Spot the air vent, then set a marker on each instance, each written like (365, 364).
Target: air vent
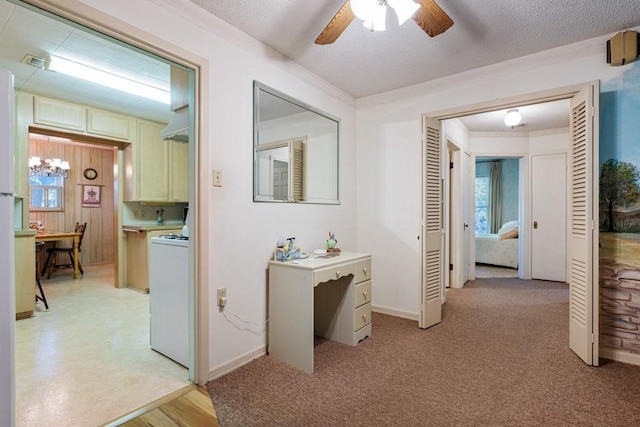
(34, 61)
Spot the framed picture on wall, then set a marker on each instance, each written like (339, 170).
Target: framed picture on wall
(91, 196)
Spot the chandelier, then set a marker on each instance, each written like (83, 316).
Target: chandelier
(48, 167)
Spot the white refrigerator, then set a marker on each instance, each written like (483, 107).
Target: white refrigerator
(7, 264)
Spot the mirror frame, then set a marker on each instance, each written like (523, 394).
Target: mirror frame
(257, 89)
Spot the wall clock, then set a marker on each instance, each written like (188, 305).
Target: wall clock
(90, 174)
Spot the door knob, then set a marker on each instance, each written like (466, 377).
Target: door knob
(535, 225)
(466, 225)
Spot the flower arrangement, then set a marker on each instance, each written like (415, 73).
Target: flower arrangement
(160, 212)
(332, 242)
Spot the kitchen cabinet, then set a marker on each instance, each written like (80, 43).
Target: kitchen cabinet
(179, 171)
(73, 118)
(159, 168)
(59, 114)
(109, 124)
(25, 256)
(138, 243)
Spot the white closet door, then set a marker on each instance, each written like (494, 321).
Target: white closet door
(583, 337)
(549, 216)
(432, 243)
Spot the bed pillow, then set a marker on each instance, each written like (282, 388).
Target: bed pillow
(508, 227)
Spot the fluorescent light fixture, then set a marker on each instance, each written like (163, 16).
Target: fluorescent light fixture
(512, 118)
(104, 78)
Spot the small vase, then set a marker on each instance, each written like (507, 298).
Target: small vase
(331, 243)
(159, 220)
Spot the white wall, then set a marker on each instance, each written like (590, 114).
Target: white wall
(389, 153)
(242, 234)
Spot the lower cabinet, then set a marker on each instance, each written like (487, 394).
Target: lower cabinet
(25, 253)
(137, 247)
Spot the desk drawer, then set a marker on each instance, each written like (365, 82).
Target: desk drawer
(362, 316)
(362, 293)
(333, 273)
(363, 270)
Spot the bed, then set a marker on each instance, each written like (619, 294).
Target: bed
(499, 249)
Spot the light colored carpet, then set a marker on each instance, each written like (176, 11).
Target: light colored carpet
(499, 358)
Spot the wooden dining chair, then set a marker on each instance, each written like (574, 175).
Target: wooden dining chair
(41, 297)
(53, 254)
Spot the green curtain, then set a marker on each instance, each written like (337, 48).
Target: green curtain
(495, 196)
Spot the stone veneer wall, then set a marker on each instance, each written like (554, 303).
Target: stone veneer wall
(619, 306)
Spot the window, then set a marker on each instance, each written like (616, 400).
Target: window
(46, 193)
(482, 205)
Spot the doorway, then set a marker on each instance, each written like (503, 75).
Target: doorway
(195, 294)
(582, 242)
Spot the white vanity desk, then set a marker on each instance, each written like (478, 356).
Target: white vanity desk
(330, 297)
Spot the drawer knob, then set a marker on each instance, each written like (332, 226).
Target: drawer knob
(364, 270)
(365, 293)
(338, 274)
(364, 316)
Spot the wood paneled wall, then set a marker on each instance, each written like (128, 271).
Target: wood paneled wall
(98, 242)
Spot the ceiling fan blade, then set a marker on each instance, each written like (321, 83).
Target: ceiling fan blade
(337, 25)
(431, 18)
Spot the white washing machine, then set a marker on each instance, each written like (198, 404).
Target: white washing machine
(169, 297)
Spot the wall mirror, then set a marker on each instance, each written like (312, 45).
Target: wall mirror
(295, 150)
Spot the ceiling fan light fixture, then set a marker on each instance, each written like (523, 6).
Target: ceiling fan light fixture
(378, 19)
(512, 118)
(363, 9)
(372, 12)
(404, 9)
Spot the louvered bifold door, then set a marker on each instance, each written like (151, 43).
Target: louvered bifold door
(296, 172)
(581, 234)
(432, 250)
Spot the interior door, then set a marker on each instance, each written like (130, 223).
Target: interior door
(432, 239)
(583, 262)
(468, 218)
(549, 217)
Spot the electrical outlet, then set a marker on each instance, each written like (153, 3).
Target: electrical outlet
(217, 178)
(222, 297)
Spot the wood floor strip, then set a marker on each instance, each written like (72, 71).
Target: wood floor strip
(190, 406)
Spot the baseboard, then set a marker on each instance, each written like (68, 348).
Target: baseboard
(394, 312)
(620, 356)
(237, 362)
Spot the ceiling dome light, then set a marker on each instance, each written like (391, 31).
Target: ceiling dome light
(512, 117)
(404, 9)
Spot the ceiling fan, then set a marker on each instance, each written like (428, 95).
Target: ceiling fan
(429, 16)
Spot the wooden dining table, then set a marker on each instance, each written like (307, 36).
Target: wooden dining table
(55, 236)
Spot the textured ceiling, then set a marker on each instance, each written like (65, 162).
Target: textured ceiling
(364, 63)
(360, 62)
(23, 32)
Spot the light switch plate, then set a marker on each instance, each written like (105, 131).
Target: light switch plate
(217, 178)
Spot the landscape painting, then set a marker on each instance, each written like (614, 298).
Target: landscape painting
(619, 182)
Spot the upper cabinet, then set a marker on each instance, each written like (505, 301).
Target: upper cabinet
(179, 88)
(55, 114)
(159, 168)
(59, 114)
(109, 124)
